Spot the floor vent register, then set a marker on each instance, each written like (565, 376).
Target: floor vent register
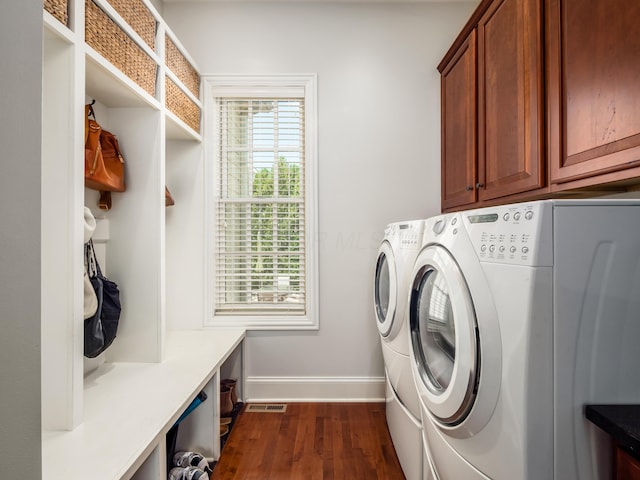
(267, 407)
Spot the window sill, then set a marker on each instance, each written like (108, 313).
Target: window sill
(264, 322)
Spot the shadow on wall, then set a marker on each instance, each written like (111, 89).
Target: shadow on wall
(341, 241)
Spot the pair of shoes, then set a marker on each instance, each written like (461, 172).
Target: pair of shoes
(188, 473)
(231, 383)
(189, 466)
(226, 405)
(191, 459)
(228, 399)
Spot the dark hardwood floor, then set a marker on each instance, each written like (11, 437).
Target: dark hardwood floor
(311, 441)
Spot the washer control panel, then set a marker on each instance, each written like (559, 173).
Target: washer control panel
(408, 233)
(518, 234)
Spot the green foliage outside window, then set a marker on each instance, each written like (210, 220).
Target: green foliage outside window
(275, 228)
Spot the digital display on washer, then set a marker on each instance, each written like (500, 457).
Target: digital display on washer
(486, 218)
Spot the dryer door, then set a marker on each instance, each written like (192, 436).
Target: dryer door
(385, 289)
(444, 337)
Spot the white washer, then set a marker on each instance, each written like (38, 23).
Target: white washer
(396, 255)
(519, 316)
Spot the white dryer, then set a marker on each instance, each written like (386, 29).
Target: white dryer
(396, 256)
(519, 316)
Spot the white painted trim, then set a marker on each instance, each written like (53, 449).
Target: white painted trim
(267, 85)
(209, 124)
(314, 389)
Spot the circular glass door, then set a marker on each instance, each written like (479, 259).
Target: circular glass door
(444, 336)
(385, 289)
(436, 329)
(382, 288)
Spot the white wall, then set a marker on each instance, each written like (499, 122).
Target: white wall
(379, 158)
(159, 6)
(20, 104)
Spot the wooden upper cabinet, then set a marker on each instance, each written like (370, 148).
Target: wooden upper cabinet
(459, 147)
(510, 99)
(593, 88)
(493, 105)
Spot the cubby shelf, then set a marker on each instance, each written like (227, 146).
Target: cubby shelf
(129, 408)
(108, 417)
(106, 82)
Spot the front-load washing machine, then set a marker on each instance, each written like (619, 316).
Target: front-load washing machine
(519, 316)
(396, 255)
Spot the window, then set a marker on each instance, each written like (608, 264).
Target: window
(262, 144)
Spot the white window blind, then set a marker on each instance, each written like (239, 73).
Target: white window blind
(260, 257)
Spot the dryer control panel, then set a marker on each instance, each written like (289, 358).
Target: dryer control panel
(409, 233)
(519, 234)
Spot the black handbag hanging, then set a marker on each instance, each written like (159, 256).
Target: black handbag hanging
(100, 330)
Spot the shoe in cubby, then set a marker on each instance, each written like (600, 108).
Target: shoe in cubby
(191, 459)
(188, 473)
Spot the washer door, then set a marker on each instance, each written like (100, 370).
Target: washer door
(444, 337)
(385, 289)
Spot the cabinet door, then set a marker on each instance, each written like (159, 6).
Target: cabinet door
(510, 97)
(593, 87)
(459, 126)
(627, 467)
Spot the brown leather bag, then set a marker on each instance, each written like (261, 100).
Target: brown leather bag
(168, 199)
(103, 160)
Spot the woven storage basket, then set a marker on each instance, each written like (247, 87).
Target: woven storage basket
(106, 38)
(136, 14)
(181, 105)
(57, 8)
(181, 67)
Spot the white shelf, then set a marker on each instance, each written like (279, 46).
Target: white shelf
(53, 26)
(176, 129)
(111, 86)
(129, 407)
(112, 422)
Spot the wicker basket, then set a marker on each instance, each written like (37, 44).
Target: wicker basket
(136, 14)
(181, 67)
(106, 38)
(181, 105)
(57, 8)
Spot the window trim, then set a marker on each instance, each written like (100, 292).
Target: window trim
(255, 86)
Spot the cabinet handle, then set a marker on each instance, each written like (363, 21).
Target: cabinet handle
(479, 185)
(469, 188)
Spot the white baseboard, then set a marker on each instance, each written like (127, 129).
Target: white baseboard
(314, 389)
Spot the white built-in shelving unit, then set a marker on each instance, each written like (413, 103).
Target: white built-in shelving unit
(108, 417)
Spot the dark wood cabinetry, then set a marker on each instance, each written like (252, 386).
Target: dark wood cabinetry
(459, 126)
(593, 83)
(626, 467)
(492, 106)
(510, 96)
(557, 92)
(622, 423)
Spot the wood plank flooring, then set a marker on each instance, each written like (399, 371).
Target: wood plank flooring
(311, 441)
